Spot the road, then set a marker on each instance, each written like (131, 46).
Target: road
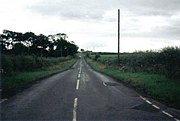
(81, 93)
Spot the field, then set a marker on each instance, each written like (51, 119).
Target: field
(150, 73)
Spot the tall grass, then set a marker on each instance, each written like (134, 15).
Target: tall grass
(166, 61)
(12, 64)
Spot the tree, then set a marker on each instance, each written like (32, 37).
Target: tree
(19, 48)
(40, 45)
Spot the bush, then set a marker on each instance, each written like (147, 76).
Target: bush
(6, 64)
(166, 61)
(170, 58)
(12, 64)
(96, 57)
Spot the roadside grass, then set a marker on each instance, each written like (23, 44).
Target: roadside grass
(153, 85)
(21, 80)
(109, 56)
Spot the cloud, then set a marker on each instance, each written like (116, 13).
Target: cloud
(68, 9)
(88, 22)
(151, 7)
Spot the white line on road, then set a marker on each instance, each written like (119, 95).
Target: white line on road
(166, 113)
(77, 85)
(156, 106)
(142, 98)
(148, 102)
(79, 75)
(74, 109)
(2, 100)
(80, 70)
(176, 119)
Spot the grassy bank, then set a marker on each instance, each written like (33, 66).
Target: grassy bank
(15, 83)
(153, 85)
(165, 61)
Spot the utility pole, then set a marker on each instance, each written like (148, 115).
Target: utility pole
(118, 35)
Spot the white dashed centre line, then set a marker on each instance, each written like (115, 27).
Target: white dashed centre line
(74, 109)
(2, 100)
(77, 85)
(80, 70)
(79, 75)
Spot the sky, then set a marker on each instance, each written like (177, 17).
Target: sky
(93, 24)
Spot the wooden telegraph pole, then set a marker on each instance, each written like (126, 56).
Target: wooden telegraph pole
(118, 35)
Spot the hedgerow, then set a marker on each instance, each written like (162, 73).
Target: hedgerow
(11, 64)
(165, 61)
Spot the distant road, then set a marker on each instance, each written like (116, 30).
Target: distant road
(82, 94)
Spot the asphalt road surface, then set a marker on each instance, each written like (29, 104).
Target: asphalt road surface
(81, 93)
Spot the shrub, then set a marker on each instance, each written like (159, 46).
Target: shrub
(12, 64)
(166, 61)
(96, 57)
(170, 58)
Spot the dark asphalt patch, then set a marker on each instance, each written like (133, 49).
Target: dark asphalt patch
(145, 107)
(72, 68)
(111, 84)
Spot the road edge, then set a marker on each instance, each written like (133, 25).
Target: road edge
(34, 81)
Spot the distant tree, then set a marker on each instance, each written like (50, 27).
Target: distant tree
(7, 39)
(19, 48)
(3, 44)
(61, 47)
(72, 48)
(40, 45)
(62, 35)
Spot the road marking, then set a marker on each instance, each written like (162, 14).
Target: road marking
(148, 102)
(145, 99)
(104, 84)
(74, 109)
(166, 113)
(156, 106)
(77, 85)
(2, 100)
(79, 75)
(80, 70)
(176, 119)
(142, 98)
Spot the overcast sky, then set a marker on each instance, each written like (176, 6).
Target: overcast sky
(92, 24)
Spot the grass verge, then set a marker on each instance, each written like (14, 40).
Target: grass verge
(11, 85)
(153, 85)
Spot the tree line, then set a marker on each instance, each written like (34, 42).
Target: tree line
(29, 43)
